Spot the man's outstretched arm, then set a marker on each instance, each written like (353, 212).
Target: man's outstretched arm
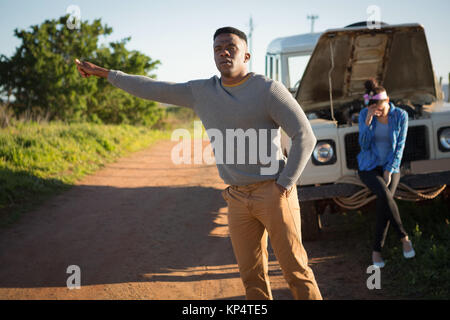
(179, 94)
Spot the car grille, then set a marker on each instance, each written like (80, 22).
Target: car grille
(416, 147)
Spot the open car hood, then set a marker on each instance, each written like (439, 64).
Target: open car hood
(396, 55)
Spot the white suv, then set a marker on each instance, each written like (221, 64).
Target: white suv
(326, 72)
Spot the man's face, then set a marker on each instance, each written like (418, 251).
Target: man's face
(230, 54)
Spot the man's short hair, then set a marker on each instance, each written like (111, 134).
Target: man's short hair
(235, 31)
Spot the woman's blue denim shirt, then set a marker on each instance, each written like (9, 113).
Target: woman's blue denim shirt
(398, 129)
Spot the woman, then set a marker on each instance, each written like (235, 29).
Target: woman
(382, 135)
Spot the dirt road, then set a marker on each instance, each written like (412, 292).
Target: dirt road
(145, 228)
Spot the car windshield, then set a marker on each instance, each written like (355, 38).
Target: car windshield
(297, 66)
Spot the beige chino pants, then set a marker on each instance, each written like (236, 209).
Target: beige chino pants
(256, 211)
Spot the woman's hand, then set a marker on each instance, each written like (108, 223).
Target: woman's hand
(372, 111)
(87, 69)
(387, 177)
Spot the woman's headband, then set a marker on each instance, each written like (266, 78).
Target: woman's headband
(380, 96)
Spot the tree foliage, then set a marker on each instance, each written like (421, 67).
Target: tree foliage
(41, 78)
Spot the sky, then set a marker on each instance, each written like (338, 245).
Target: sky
(179, 33)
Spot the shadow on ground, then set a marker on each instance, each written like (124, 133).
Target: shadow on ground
(118, 235)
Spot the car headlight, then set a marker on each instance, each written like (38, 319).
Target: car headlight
(444, 139)
(324, 153)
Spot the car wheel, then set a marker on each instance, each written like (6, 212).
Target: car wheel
(310, 218)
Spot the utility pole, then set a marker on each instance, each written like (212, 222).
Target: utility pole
(312, 18)
(250, 44)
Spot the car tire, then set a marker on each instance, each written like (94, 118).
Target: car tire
(310, 220)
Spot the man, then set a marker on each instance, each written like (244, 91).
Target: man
(260, 203)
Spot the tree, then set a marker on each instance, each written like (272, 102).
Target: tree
(42, 78)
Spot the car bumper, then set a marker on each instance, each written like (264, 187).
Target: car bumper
(415, 181)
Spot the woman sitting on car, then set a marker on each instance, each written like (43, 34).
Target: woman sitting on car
(382, 135)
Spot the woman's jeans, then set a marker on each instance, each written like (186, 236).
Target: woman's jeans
(386, 208)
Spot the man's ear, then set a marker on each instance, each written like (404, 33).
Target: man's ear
(247, 57)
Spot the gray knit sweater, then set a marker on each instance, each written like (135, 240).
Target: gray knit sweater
(257, 106)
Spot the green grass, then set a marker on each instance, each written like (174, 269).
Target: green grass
(40, 160)
(426, 276)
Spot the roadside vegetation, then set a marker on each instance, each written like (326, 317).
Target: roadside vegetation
(39, 160)
(428, 274)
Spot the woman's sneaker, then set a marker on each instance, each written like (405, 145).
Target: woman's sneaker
(411, 253)
(379, 263)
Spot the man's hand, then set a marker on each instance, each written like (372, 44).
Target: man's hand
(282, 189)
(387, 177)
(87, 69)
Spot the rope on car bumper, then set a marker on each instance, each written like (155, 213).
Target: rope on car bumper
(364, 196)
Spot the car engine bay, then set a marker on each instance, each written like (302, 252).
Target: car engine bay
(348, 113)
